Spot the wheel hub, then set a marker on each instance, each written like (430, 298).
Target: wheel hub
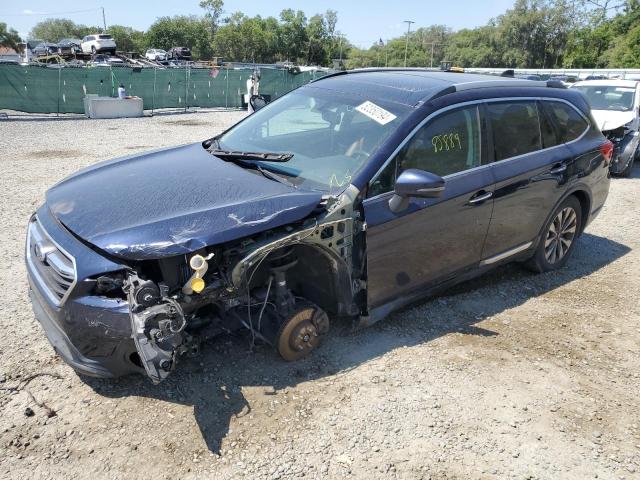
(300, 334)
(560, 235)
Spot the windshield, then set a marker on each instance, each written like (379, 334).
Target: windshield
(609, 97)
(331, 135)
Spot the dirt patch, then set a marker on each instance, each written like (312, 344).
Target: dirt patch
(56, 153)
(185, 123)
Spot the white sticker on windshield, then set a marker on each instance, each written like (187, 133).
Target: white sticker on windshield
(625, 89)
(375, 112)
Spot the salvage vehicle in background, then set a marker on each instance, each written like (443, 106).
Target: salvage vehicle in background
(351, 196)
(615, 105)
(156, 54)
(45, 48)
(179, 53)
(99, 43)
(69, 46)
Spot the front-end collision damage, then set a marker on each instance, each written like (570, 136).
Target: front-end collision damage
(625, 141)
(157, 327)
(281, 285)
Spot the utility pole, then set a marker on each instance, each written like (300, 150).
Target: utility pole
(433, 44)
(406, 45)
(104, 21)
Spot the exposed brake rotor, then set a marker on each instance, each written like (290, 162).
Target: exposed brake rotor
(300, 334)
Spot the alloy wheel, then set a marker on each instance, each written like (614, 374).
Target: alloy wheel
(560, 236)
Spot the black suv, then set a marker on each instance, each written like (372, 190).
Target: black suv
(179, 53)
(349, 197)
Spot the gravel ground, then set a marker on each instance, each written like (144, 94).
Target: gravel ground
(512, 375)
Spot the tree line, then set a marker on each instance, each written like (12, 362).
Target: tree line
(531, 34)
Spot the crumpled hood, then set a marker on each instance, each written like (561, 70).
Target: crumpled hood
(610, 119)
(172, 201)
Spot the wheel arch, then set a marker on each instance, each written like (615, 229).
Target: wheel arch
(585, 202)
(319, 275)
(583, 194)
(323, 278)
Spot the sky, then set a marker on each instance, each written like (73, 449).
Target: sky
(362, 21)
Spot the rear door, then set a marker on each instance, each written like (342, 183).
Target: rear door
(530, 167)
(434, 238)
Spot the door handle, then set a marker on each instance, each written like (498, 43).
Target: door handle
(558, 168)
(480, 197)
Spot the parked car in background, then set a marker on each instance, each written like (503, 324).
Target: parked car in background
(180, 53)
(351, 196)
(527, 76)
(156, 54)
(45, 48)
(106, 61)
(69, 46)
(99, 42)
(567, 80)
(615, 105)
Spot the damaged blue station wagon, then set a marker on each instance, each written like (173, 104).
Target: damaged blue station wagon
(349, 197)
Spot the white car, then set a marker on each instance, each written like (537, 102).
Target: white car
(156, 54)
(615, 106)
(97, 43)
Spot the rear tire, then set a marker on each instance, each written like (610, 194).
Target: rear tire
(558, 237)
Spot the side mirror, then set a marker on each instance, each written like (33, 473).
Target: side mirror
(415, 183)
(257, 102)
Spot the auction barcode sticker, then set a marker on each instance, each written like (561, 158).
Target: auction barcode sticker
(375, 112)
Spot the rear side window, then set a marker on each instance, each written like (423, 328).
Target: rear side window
(568, 122)
(105, 37)
(515, 127)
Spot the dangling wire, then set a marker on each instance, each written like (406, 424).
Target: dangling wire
(264, 305)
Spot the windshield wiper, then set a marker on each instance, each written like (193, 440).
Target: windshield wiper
(274, 176)
(257, 156)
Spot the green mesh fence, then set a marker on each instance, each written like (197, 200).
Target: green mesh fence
(36, 89)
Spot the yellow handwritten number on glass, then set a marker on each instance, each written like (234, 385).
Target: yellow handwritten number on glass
(446, 141)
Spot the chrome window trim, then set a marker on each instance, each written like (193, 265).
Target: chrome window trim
(58, 302)
(475, 102)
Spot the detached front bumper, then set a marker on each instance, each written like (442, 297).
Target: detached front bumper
(91, 333)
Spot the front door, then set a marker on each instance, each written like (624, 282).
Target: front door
(434, 238)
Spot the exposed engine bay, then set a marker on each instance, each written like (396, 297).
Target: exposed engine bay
(280, 285)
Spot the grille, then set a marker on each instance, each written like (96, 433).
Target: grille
(53, 268)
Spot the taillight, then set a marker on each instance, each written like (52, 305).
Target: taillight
(606, 149)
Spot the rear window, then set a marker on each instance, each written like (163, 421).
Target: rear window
(515, 127)
(568, 122)
(104, 37)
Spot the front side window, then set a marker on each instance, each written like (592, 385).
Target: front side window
(515, 126)
(331, 135)
(449, 143)
(569, 123)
